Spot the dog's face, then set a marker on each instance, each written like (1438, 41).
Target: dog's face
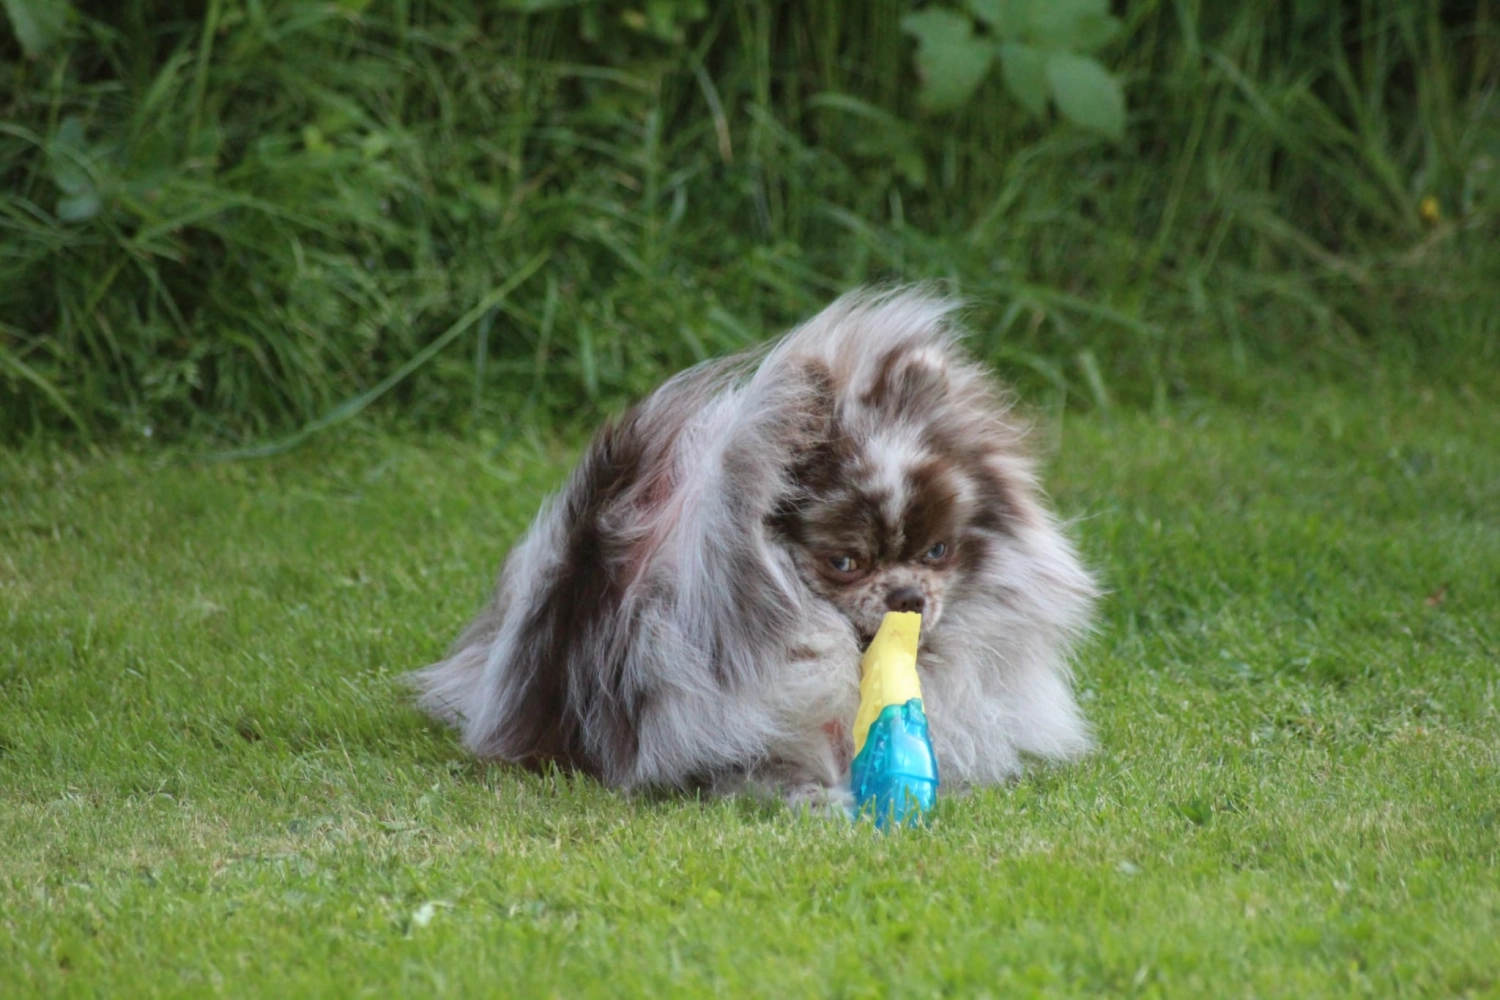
(890, 508)
(882, 539)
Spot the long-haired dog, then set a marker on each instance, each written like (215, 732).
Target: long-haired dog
(690, 611)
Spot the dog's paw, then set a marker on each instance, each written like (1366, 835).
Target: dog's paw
(817, 799)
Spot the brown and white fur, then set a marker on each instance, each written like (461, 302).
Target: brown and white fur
(690, 610)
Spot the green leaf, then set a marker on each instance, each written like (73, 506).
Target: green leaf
(69, 157)
(1068, 25)
(950, 59)
(1025, 73)
(37, 23)
(78, 207)
(1086, 94)
(1091, 31)
(1000, 16)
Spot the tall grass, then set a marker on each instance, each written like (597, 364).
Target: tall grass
(236, 218)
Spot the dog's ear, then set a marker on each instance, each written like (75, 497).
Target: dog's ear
(908, 381)
(811, 408)
(790, 417)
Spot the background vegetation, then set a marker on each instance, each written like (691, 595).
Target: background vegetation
(230, 218)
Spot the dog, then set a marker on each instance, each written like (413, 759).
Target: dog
(690, 611)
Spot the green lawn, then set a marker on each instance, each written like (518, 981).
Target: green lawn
(211, 782)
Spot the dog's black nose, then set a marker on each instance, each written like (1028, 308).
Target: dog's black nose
(906, 599)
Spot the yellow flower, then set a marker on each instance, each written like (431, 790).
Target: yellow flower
(1429, 209)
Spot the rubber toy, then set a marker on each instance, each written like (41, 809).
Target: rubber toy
(894, 776)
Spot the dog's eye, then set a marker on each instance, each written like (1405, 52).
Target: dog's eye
(936, 552)
(843, 563)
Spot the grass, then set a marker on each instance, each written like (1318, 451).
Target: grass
(210, 781)
(230, 219)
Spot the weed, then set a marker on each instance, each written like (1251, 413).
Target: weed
(240, 219)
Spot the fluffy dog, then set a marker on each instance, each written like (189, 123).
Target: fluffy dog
(690, 611)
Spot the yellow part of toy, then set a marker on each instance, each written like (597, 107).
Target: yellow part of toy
(888, 673)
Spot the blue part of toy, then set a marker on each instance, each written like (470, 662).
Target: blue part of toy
(895, 776)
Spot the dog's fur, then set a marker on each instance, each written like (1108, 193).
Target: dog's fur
(690, 611)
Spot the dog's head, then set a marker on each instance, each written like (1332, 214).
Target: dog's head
(898, 500)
